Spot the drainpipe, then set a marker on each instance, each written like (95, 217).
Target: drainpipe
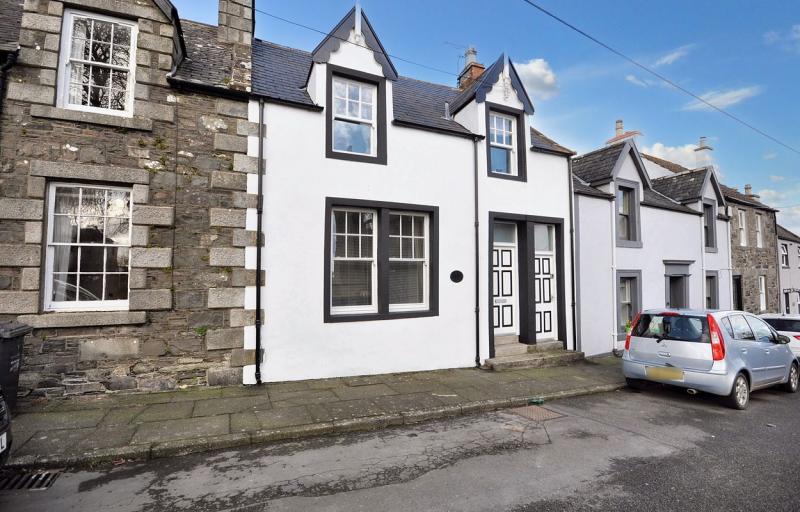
(703, 258)
(10, 61)
(259, 220)
(576, 341)
(614, 312)
(477, 256)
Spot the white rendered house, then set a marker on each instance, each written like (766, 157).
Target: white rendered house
(408, 225)
(646, 237)
(789, 261)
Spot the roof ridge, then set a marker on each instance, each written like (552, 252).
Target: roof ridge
(600, 149)
(273, 43)
(209, 25)
(682, 173)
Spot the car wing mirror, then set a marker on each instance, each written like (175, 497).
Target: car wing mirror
(783, 339)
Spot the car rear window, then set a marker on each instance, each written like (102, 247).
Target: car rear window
(673, 327)
(783, 324)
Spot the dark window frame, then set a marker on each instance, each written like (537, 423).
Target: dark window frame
(380, 138)
(382, 238)
(710, 225)
(636, 300)
(635, 213)
(519, 116)
(714, 274)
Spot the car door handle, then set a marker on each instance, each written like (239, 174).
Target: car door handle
(744, 351)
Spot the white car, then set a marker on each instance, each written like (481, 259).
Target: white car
(788, 325)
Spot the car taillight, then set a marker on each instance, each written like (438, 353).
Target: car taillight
(633, 326)
(797, 337)
(717, 341)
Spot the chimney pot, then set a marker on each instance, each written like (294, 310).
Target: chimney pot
(618, 128)
(748, 190)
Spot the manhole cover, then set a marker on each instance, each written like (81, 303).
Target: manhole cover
(535, 413)
(25, 481)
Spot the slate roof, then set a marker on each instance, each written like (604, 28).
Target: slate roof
(785, 234)
(465, 96)
(683, 187)
(597, 166)
(280, 73)
(731, 194)
(422, 103)
(670, 166)
(10, 18)
(657, 200)
(541, 142)
(208, 61)
(580, 187)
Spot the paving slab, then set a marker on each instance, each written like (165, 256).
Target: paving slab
(91, 430)
(171, 430)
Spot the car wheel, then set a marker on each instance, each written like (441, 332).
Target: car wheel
(794, 378)
(740, 393)
(636, 384)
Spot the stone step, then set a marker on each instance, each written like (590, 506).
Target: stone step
(544, 346)
(510, 349)
(542, 359)
(506, 340)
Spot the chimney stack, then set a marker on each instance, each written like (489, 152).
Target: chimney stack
(472, 68)
(236, 27)
(748, 190)
(702, 153)
(620, 134)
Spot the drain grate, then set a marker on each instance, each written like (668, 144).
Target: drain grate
(535, 413)
(27, 481)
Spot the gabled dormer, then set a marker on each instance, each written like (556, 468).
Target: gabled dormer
(493, 102)
(348, 76)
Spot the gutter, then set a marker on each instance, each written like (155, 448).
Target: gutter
(259, 238)
(8, 64)
(477, 254)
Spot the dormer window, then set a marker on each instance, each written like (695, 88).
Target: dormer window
(505, 142)
(354, 127)
(356, 116)
(501, 141)
(97, 64)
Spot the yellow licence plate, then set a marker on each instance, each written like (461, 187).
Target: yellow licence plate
(659, 373)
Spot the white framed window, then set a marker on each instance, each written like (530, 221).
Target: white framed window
(354, 117)
(354, 269)
(742, 228)
(759, 234)
(408, 261)
(798, 256)
(762, 293)
(502, 144)
(88, 248)
(97, 63)
(785, 255)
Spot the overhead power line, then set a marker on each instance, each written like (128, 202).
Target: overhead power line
(660, 76)
(326, 33)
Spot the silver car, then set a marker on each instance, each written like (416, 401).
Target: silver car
(726, 353)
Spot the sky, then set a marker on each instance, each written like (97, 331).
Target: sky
(742, 56)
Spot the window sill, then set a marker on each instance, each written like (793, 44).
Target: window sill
(63, 114)
(333, 319)
(511, 177)
(631, 244)
(711, 249)
(84, 319)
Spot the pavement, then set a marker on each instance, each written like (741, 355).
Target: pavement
(656, 450)
(91, 430)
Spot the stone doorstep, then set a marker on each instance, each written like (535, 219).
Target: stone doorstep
(149, 451)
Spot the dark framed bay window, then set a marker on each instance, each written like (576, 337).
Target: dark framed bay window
(505, 142)
(629, 229)
(381, 260)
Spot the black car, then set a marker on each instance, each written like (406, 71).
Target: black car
(5, 430)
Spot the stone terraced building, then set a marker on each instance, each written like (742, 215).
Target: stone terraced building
(123, 190)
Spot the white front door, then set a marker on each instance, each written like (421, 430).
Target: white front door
(505, 303)
(545, 281)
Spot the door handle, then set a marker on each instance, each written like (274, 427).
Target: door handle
(744, 351)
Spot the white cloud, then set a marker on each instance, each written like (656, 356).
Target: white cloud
(673, 56)
(788, 196)
(774, 178)
(724, 99)
(770, 156)
(789, 41)
(682, 155)
(636, 81)
(538, 78)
